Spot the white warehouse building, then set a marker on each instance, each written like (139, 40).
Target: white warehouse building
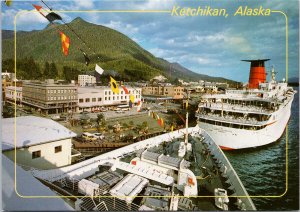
(93, 98)
(40, 143)
(85, 80)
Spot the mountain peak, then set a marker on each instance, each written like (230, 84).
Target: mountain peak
(77, 20)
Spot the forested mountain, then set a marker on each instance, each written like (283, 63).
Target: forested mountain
(115, 51)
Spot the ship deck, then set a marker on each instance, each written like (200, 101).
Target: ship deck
(206, 161)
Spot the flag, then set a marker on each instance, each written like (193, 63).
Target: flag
(8, 2)
(172, 128)
(139, 106)
(125, 89)
(65, 42)
(86, 58)
(98, 69)
(114, 86)
(131, 98)
(52, 16)
(160, 121)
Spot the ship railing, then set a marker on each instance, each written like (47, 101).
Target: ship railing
(235, 185)
(230, 119)
(88, 167)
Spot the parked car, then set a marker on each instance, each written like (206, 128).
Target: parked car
(99, 135)
(88, 136)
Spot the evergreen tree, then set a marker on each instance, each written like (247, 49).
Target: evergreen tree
(53, 71)
(47, 70)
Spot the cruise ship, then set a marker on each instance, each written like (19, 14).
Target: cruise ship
(251, 117)
(180, 170)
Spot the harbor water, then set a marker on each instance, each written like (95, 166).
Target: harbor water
(263, 170)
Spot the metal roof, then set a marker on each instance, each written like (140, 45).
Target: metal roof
(31, 130)
(27, 185)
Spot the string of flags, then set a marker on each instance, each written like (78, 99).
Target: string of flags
(65, 39)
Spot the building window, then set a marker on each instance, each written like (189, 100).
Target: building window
(87, 100)
(105, 92)
(36, 154)
(93, 99)
(99, 99)
(57, 149)
(105, 98)
(80, 100)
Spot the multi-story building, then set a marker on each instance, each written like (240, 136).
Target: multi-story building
(92, 98)
(86, 80)
(10, 94)
(49, 97)
(175, 92)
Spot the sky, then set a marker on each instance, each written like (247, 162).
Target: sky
(208, 45)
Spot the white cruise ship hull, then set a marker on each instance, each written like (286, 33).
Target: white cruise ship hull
(232, 138)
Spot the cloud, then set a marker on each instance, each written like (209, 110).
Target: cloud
(122, 27)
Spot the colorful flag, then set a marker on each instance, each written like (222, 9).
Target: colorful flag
(86, 58)
(98, 69)
(139, 106)
(8, 2)
(172, 128)
(125, 89)
(131, 98)
(52, 17)
(114, 86)
(65, 42)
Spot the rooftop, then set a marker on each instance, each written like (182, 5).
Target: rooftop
(27, 185)
(96, 89)
(31, 130)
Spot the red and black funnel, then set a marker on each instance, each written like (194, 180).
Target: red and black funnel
(257, 72)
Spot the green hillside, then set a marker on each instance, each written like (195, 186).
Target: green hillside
(115, 51)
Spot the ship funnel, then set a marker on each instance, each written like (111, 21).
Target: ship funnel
(257, 72)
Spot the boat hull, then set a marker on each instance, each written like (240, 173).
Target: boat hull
(232, 138)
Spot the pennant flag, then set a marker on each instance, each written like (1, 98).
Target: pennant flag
(125, 89)
(131, 98)
(98, 69)
(52, 16)
(153, 115)
(139, 106)
(8, 2)
(65, 42)
(86, 58)
(130, 104)
(160, 121)
(114, 86)
(172, 128)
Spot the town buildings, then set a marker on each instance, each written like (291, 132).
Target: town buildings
(50, 97)
(92, 98)
(86, 80)
(40, 143)
(10, 94)
(175, 92)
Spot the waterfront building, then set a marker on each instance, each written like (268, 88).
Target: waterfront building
(10, 94)
(92, 98)
(175, 92)
(85, 80)
(40, 143)
(50, 97)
